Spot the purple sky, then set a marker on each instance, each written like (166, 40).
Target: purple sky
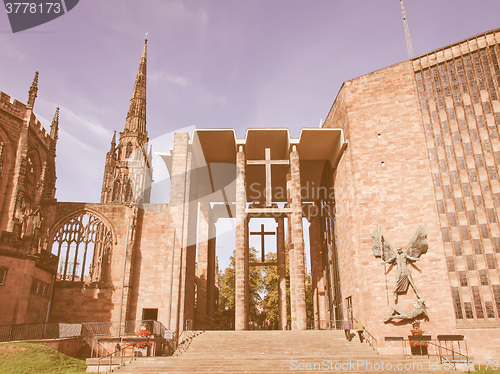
(214, 63)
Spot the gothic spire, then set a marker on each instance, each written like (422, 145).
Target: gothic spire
(113, 143)
(32, 92)
(136, 117)
(54, 128)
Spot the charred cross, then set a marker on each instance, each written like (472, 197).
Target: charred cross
(268, 162)
(262, 234)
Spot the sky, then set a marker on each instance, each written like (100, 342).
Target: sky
(211, 64)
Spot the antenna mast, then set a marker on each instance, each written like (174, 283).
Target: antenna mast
(409, 47)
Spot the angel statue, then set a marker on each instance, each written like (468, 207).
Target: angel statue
(417, 247)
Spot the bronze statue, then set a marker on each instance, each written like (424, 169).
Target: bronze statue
(419, 311)
(418, 245)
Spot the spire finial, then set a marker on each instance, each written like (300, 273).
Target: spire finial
(113, 142)
(136, 116)
(146, 36)
(33, 91)
(54, 128)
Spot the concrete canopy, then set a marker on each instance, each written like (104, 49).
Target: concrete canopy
(214, 158)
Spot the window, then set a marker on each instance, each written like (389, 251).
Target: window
(470, 262)
(3, 274)
(468, 310)
(82, 245)
(463, 278)
(483, 277)
(490, 260)
(451, 263)
(477, 302)
(456, 302)
(489, 309)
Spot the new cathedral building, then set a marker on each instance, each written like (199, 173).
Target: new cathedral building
(413, 144)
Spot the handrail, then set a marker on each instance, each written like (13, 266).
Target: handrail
(372, 341)
(111, 359)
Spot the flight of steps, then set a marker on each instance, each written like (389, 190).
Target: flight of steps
(272, 352)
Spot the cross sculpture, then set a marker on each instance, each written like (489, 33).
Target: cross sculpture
(268, 162)
(262, 234)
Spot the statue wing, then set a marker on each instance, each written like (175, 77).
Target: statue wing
(381, 247)
(418, 244)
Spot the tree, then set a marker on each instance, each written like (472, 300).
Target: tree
(227, 286)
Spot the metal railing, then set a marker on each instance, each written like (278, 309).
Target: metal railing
(40, 331)
(372, 341)
(450, 353)
(114, 354)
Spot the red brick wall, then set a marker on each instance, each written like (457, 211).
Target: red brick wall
(18, 304)
(398, 197)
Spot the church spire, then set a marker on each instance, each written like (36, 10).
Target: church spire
(136, 117)
(32, 92)
(113, 143)
(54, 128)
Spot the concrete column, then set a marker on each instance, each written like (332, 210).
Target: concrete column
(202, 268)
(241, 260)
(211, 294)
(291, 256)
(186, 300)
(299, 286)
(178, 211)
(280, 239)
(318, 286)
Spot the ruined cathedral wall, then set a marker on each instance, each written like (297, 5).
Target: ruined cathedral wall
(152, 257)
(11, 122)
(95, 301)
(384, 180)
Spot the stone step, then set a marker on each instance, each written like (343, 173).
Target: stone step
(277, 352)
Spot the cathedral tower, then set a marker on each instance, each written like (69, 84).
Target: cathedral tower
(128, 173)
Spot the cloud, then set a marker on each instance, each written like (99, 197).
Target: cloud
(162, 76)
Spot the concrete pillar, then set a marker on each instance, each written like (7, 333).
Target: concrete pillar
(318, 286)
(291, 256)
(241, 260)
(280, 239)
(299, 287)
(179, 212)
(211, 286)
(202, 269)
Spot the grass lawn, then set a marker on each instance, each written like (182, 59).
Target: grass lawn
(28, 358)
(486, 371)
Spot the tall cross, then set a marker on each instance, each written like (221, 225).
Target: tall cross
(262, 234)
(268, 162)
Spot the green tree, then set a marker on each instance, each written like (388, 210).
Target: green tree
(227, 285)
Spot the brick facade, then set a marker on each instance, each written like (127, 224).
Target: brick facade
(391, 177)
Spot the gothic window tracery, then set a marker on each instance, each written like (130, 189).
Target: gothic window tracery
(129, 150)
(32, 173)
(83, 245)
(117, 189)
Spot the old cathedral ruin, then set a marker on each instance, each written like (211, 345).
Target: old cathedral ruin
(413, 144)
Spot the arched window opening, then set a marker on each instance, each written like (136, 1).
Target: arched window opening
(117, 190)
(82, 245)
(129, 150)
(129, 196)
(31, 177)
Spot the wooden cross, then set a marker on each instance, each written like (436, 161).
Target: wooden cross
(268, 162)
(262, 234)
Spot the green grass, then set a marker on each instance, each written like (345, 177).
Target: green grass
(32, 358)
(486, 371)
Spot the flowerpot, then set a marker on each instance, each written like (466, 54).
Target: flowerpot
(419, 350)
